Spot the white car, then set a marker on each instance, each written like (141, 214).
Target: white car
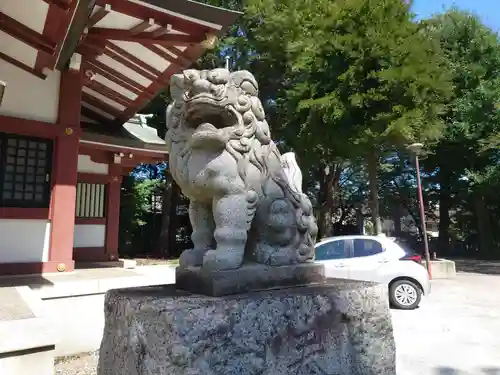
(380, 259)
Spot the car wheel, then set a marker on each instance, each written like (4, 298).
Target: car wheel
(404, 295)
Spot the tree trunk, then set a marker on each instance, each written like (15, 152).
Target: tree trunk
(397, 220)
(164, 238)
(483, 226)
(444, 214)
(374, 203)
(329, 181)
(360, 221)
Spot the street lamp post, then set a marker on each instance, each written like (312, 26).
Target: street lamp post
(416, 149)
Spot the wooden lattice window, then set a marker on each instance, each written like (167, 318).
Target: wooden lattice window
(25, 166)
(90, 200)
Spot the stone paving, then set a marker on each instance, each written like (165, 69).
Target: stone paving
(456, 331)
(13, 306)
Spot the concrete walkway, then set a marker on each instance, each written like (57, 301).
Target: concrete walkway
(13, 306)
(73, 300)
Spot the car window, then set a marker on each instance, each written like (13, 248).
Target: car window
(332, 250)
(405, 247)
(364, 247)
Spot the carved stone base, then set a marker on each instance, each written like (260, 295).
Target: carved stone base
(250, 277)
(338, 328)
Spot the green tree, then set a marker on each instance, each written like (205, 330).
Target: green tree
(361, 77)
(136, 215)
(338, 82)
(466, 158)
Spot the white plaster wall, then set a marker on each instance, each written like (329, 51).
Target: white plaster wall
(86, 165)
(24, 241)
(27, 96)
(89, 235)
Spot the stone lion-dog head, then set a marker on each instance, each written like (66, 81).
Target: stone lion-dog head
(216, 105)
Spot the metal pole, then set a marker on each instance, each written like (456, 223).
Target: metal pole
(422, 218)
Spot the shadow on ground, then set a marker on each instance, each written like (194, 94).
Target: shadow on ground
(453, 371)
(31, 280)
(485, 267)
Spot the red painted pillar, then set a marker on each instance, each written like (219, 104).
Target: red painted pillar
(113, 211)
(64, 173)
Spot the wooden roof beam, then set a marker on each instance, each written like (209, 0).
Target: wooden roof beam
(146, 38)
(99, 15)
(163, 54)
(26, 35)
(60, 15)
(21, 65)
(161, 31)
(114, 76)
(136, 10)
(143, 26)
(105, 107)
(109, 93)
(124, 61)
(134, 59)
(91, 52)
(180, 58)
(62, 4)
(174, 57)
(114, 52)
(190, 54)
(90, 114)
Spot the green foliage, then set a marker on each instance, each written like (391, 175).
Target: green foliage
(136, 215)
(340, 79)
(157, 107)
(365, 75)
(466, 160)
(357, 78)
(472, 52)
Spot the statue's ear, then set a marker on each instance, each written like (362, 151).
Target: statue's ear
(177, 86)
(246, 81)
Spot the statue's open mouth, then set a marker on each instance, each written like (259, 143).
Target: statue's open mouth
(204, 110)
(208, 118)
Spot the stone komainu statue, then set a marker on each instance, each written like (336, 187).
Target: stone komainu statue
(246, 200)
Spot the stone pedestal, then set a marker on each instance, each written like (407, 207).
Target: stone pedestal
(250, 277)
(339, 328)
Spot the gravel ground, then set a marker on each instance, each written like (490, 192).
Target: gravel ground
(454, 332)
(83, 364)
(152, 261)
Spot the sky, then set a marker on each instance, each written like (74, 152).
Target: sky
(487, 10)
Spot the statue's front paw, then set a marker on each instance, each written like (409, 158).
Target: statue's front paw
(191, 258)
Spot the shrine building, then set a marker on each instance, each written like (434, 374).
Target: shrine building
(73, 75)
